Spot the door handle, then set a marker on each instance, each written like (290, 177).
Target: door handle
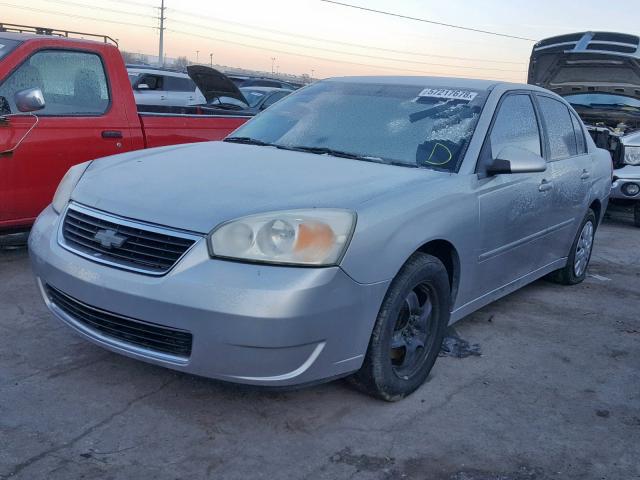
(163, 97)
(585, 174)
(111, 134)
(545, 185)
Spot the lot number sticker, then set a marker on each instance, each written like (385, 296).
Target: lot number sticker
(448, 94)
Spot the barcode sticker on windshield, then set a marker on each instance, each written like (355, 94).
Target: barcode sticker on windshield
(448, 94)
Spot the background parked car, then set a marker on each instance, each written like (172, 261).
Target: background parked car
(260, 98)
(598, 73)
(251, 81)
(163, 87)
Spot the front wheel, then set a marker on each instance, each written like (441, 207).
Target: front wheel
(408, 332)
(576, 269)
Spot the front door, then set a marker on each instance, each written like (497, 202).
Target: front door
(79, 123)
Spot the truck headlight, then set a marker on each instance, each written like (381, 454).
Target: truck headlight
(66, 186)
(317, 237)
(632, 155)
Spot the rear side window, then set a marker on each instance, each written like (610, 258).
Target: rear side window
(581, 144)
(73, 83)
(515, 125)
(179, 84)
(559, 128)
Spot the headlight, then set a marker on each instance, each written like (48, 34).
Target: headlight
(632, 155)
(296, 237)
(66, 186)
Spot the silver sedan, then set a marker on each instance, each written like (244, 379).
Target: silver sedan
(338, 233)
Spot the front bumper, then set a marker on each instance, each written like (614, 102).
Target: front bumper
(255, 324)
(623, 176)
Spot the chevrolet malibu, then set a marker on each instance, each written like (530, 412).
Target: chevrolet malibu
(338, 233)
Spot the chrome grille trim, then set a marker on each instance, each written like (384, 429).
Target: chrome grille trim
(149, 249)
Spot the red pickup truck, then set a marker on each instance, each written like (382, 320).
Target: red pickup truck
(64, 101)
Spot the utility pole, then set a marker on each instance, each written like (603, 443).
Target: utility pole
(197, 54)
(161, 45)
(273, 59)
(211, 59)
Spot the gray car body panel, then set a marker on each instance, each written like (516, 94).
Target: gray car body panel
(504, 231)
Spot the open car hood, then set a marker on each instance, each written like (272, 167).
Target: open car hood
(587, 62)
(214, 84)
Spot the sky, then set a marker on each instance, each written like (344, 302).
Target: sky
(323, 39)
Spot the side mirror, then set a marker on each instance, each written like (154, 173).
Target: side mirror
(517, 160)
(143, 86)
(29, 100)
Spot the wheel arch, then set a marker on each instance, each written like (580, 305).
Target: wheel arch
(596, 206)
(447, 253)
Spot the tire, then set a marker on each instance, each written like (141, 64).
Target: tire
(636, 214)
(13, 240)
(414, 316)
(581, 249)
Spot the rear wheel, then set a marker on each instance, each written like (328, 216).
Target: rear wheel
(408, 332)
(576, 269)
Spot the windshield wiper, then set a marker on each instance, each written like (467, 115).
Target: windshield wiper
(332, 152)
(248, 141)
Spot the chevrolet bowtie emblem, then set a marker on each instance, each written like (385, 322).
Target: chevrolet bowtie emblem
(109, 238)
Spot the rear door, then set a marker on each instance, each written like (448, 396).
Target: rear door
(81, 121)
(513, 208)
(181, 91)
(570, 164)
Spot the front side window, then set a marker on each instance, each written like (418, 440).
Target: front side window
(559, 128)
(515, 125)
(409, 125)
(73, 83)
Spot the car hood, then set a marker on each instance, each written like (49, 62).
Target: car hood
(587, 62)
(197, 186)
(214, 84)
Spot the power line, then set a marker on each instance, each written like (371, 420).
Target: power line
(130, 2)
(271, 50)
(65, 14)
(104, 9)
(341, 52)
(324, 40)
(406, 17)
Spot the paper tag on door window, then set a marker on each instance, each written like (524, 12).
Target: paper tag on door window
(448, 94)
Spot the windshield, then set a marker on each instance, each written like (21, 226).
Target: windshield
(407, 125)
(253, 96)
(602, 100)
(6, 46)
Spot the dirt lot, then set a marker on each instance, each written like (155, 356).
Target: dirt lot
(555, 395)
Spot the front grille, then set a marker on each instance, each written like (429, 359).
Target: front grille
(134, 246)
(142, 334)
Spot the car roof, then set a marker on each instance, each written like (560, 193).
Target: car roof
(24, 37)
(157, 71)
(265, 89)
(441, 82)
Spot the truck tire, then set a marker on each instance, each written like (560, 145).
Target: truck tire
(575, 271)
(408, 332)
(13, 240)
